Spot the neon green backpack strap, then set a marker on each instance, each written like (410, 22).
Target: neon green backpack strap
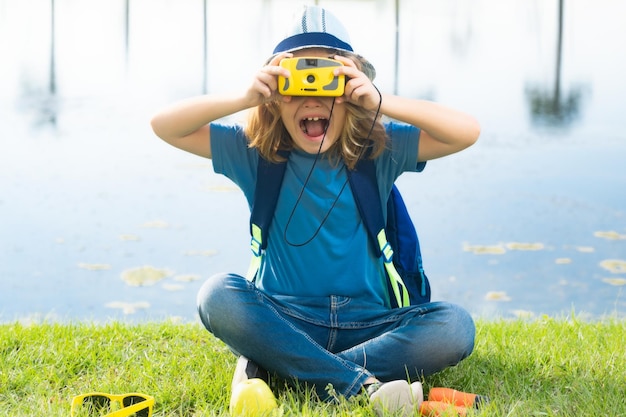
(400, 291)
(256, 243)
(268, 182)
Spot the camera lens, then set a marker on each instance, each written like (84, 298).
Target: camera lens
(310, 78)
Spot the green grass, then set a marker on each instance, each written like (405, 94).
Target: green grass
(543, 367)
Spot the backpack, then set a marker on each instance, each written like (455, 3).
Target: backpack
(407, 283)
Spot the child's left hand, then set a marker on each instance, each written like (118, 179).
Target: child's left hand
(359, 89)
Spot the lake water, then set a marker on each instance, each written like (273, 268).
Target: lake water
(529, 221)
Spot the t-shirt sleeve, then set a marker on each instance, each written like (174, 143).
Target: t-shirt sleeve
(400, 154)
(404, 142)
(232, 157)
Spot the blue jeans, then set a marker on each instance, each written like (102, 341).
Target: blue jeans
(334, 340)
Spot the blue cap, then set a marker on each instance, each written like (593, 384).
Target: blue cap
(318, 28)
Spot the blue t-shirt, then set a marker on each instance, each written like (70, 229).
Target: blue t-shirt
(303, 259)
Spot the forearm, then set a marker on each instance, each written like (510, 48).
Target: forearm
(444, 130)
(187, 116)
(444, 124)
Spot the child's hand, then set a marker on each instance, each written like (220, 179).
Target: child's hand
(359, 89)
(264, 87)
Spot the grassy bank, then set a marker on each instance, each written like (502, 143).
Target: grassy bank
(545, 367)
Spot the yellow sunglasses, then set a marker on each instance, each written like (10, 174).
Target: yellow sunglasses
(98, 403)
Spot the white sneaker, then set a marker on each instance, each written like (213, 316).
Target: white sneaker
(395, 398)
(418, 394)
(246, 369)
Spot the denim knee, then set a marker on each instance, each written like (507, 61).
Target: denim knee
(443, 334)
(213, 293)
(465, 329)
(459, 332)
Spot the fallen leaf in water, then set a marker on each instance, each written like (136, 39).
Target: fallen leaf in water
(611, 235)
(523, 314)
(497, 296)
(156, 224)
(524, 246)
(94, 267)
(187, 278)
(130, 238)
(615, 281)
(585, 249)
(128, 308)
(616, 266)
(562, 261)
(484, 250)
(144, 275)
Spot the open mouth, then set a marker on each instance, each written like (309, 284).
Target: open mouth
(314, 126)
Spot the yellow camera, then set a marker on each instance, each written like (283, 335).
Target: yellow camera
(311, 76)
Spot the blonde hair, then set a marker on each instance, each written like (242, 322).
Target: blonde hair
(362, 129)
(266, 132)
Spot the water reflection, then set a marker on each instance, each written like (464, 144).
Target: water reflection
(126, 29)
(53, 82)
(45, 103)
(100, 195)
(554, 108)
(547, 105)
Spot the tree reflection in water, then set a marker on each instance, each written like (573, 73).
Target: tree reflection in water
(553, 108)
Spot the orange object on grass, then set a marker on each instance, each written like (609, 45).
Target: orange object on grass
(439, 408)
(458, 398)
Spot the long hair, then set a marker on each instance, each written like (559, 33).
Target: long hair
(362, 129)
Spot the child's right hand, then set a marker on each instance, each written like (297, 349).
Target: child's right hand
(264, 87)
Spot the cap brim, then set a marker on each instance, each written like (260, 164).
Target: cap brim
(366, 67)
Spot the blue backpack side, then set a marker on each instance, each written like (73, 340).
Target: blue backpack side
(395, 240)
(408, 257)
(399, 229)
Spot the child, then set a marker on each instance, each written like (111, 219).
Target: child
(318, 311)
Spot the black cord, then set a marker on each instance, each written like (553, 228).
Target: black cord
(306, 181)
